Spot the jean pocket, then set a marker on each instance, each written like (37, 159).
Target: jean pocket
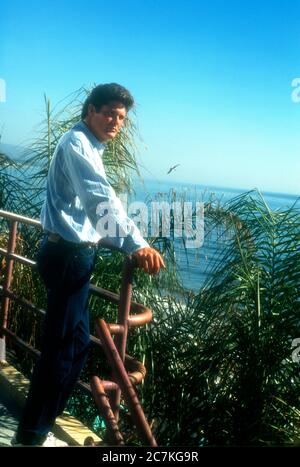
(80, 268)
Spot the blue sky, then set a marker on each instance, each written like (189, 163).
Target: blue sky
(212, 80)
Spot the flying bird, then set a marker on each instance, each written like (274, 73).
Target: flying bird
(172, 168)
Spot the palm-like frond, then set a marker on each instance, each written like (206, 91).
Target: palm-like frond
(244, 322)
(12, 186)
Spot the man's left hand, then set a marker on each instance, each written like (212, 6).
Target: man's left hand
(149, 260)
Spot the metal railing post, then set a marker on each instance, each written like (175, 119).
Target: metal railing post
(7, 282)
(102, 402)
(123, 315)
(125, 384)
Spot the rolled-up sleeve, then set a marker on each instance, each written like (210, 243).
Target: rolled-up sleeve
(99, 200)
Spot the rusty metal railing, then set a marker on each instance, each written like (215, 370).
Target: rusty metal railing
(127, 371)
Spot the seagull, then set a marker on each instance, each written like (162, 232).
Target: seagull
(172, 168)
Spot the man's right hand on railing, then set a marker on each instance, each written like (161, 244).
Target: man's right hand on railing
(149, 260)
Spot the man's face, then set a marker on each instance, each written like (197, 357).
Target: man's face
(106, 123)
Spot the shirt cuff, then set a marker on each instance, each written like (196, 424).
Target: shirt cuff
(131, 245)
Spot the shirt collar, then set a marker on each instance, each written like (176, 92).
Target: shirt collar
(85, 129)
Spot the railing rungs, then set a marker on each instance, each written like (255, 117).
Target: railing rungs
(22, 301)
(17, 217)
(115, 349)
(20, 259)
(36, 353)
(21, 343)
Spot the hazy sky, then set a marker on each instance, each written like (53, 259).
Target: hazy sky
(212, 80)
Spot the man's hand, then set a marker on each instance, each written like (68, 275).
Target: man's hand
(149, 259)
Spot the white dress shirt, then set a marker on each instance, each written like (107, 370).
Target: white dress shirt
(79, 197)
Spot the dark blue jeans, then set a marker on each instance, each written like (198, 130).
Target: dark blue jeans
(66, 273)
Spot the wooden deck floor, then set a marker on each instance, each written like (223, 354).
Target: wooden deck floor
(13, 390)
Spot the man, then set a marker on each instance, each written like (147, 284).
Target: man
(78, 198)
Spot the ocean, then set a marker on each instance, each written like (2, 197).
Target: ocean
(194, 264)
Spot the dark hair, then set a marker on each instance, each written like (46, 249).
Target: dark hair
(103, 94)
